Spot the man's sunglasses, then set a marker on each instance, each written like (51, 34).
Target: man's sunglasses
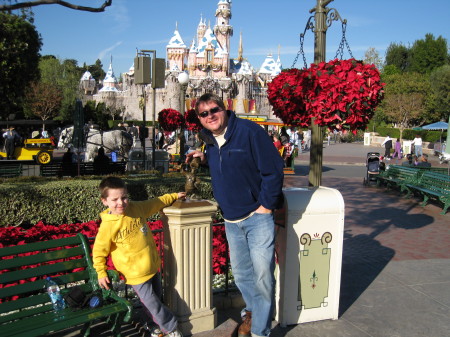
(205, 114)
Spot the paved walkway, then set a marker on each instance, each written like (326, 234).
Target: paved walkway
(396, 259)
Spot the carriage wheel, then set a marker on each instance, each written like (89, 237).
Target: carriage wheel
(43, 157)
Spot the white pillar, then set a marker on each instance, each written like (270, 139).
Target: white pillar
(188, 264)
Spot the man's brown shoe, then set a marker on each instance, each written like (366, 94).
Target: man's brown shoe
(245, 329)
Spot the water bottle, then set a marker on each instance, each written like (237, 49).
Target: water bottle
(55, 295)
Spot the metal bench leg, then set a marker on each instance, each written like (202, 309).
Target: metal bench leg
(86, 330)
(446, 206)
(425, 200)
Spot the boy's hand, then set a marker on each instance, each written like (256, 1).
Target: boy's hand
(195, 154)
(104, 282)
(181, 195)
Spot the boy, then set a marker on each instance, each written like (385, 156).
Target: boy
(125, 235)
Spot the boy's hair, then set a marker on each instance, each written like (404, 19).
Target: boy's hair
(209, 97)
(110, 183)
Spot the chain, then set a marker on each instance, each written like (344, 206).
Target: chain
(301, 51)
(340, 50)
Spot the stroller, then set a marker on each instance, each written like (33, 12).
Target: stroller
(373, 164)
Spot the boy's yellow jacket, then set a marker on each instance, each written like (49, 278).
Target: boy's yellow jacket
(129, 240)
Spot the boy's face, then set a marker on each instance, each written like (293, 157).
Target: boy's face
(116, 201)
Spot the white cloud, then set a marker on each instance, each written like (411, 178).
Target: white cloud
(102, 54)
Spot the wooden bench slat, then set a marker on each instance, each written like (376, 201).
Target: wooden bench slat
(48, 269)
(37, 246)
(30, 287)
(40, 258)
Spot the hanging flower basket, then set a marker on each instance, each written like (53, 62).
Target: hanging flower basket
(339, 94)
(170, 119)
(192, 121)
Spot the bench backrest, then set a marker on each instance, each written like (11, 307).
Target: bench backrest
(402, 172)
(10, 170)
(24, 268)
(435, 181)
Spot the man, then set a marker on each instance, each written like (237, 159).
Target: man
(11, 137)
(387, 143)
(247, 178)
(417, 142)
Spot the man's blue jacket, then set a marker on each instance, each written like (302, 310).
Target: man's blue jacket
(247, 171)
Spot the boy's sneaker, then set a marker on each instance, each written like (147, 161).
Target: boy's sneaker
(175, 333)
(153, 329)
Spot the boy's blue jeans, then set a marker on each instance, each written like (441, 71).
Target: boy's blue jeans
(252, 244)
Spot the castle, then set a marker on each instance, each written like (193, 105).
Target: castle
(211, 69)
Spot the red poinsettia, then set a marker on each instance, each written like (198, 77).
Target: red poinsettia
(170, 119)
(192, 121)
(337, 94)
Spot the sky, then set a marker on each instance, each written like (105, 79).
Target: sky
(266, 27)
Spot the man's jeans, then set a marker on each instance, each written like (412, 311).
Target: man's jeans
(252, 243)
(418, 150)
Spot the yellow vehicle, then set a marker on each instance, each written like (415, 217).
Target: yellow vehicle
(40, 150)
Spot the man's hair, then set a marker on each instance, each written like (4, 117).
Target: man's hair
(209, 97)
(110, 183)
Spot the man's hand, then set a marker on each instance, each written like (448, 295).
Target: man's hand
(262, 209)
(104, 282)
(195, 154)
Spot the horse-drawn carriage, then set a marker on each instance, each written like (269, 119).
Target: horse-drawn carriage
(40, 150)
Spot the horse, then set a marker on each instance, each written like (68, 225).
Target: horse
(114, 140)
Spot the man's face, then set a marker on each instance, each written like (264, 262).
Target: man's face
(212, 117)
(116, 201)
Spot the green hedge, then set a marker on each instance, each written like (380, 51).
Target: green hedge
(409, 134)
(28, 201)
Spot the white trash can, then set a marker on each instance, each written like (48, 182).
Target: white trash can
(367, 138)
(309, 252)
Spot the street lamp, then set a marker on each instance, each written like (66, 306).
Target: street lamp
(183, 79)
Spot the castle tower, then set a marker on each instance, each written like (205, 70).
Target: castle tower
(222, 29)
(177, 52)
(201, 29)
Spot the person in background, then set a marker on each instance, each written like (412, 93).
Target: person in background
(101, 162)
(387, 146)
(247, 179)
(424, 161)
(397, 150)
(417, 142)
(11, 138)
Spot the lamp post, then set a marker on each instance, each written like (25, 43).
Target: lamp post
(183, 79)
(323, 18)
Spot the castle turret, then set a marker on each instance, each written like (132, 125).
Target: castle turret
(177, 52)
(201, 29)
(222, 29)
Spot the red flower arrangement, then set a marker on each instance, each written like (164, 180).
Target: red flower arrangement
(339, 94)
(170, 119)
(192, 121)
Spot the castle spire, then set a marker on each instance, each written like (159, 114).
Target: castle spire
(240, 49)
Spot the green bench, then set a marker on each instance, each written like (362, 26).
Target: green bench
(24, 303)
(396, 175)
(432, 185)
(10, 170)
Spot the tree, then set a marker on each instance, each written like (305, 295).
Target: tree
(397, 55)
(27, 4)
(428, 54)
(20, 44)
(440, 87)
(405, 97)
(97, 71)
(66, 75)
(43, 100)
(371, 56)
